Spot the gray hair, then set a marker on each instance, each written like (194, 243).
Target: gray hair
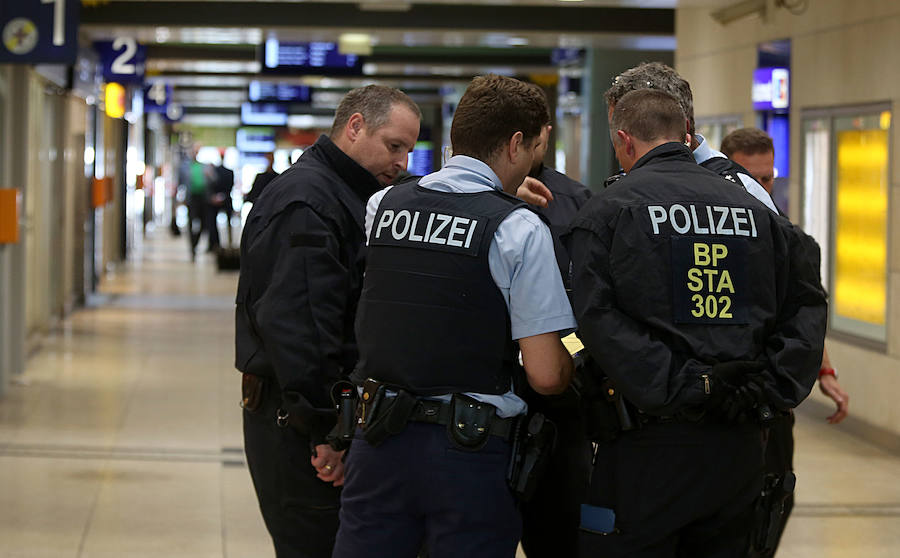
(654, 75)
(374, 103)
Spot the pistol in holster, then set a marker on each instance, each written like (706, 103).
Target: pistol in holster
(381, 415)
(606, 413)
(533, 440)
(770, 510)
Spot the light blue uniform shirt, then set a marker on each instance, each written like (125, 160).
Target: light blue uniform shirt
(704, 153)
(521, 260)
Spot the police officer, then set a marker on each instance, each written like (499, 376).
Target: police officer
(457, 270)
(300, 278)
(656, 75)
(550, 518)
(684, 295)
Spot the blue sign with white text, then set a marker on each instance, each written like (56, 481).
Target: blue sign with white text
(39, 31)
(157, 96)
(123, 60)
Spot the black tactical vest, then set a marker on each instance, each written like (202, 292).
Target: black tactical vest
(431, 319)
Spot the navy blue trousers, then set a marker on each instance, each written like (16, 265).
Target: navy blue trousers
(416, 489)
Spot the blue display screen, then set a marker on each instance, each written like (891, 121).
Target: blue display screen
(285, 92)
(421, 160)
(308, 58)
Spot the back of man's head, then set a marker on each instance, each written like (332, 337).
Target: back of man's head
(649, 115)
(491, 111)
(374, 103)
(750, 141)
(654, 75)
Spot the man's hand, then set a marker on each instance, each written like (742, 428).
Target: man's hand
(830, 387)
(534, 192)
(329, 464)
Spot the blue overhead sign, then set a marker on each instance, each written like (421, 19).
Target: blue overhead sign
(39, 31)
(157, 97)
(123, 60)
(771, 89)
(315, 58)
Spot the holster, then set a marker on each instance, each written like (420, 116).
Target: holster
(252, 387)
(769, 511)
(381, 416)
(606, 413)
(532, 446)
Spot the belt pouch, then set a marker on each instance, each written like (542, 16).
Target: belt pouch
(470, 422)
(251, 392)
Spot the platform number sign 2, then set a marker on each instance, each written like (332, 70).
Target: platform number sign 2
(39, 31)
(123, 59)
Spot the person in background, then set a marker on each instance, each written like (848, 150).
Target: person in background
(199, 177)
(261, 180)
(300, 279)
(753, 149)
(220, 186)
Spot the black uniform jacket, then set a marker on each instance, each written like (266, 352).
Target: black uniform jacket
(301, 274)
(676, 270)
(568, 197)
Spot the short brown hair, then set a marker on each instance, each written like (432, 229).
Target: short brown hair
(747, 140)
(654, 75)
(374, 103)
(492, 110)
(648, 115)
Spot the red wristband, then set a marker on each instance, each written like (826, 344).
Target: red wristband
(824, 371)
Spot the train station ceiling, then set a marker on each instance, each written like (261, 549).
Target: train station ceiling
(210, 50)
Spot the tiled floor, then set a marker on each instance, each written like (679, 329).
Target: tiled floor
(123, 437)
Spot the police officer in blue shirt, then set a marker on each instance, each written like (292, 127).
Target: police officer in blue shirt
(457, 272)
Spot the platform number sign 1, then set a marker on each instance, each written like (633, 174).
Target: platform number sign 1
(123, 59)
(39, 31)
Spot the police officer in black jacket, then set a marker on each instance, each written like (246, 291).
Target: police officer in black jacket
(686, 295)
(301, 274)
(550, 517)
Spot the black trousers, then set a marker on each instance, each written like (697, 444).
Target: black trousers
(300, 511)
(780, 460)
(197, 219)
(550, 519)
(679, 490)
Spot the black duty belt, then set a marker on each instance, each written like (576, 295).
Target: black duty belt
(439, 412)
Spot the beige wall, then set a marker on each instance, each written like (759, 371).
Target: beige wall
(843, 53)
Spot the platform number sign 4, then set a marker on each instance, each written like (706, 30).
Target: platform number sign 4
(157, 96)
(39, 31)
(123, 59)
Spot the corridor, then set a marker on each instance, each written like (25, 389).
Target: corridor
(123, 437)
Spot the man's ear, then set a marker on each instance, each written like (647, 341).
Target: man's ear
(355, 125)
(627, 141)
(515, 147)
